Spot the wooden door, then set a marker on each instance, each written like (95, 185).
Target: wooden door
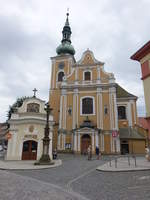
(85, 142)
(29, 151)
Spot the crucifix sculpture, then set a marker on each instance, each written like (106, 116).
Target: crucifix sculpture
(45, 158)
(34, 90)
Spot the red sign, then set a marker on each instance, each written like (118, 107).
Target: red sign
(114, 133)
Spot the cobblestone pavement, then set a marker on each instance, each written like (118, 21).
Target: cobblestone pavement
(72, 167)
(16, 187)
(78, 175)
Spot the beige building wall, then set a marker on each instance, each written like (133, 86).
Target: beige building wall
(137, 146)
(146, 84)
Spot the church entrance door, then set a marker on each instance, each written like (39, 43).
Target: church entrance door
(29, 151)
(85, 142)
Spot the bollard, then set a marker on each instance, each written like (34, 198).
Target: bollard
(115, 162)
(135, 160)
(110, 162)
(128, 160)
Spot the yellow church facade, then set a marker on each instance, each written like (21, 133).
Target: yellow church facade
(89, 107)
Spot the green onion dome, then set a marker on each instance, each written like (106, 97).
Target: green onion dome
(65, 47)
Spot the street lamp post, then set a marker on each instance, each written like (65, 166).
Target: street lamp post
(45, 158)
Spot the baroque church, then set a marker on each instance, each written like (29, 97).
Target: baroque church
(89, 107)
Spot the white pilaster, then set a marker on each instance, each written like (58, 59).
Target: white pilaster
(58, 145)
(134, 112)
(116, 112)
(110, 109)
(75, 142)
(98, 75)
(21, 148)
(78, 141)
(99, 109)
(102, 142)
(39, 149)
(9, 149)
(75, 109)
(111, 102)
(129, 114)
(61, 110)
(14, 144)
(111, 143)
(98, 126)
(64, 141)
(65, 111)
(93, 142)
(74, 112)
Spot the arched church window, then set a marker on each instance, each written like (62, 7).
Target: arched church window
(121, 112)
(60, 76)
(87, 105)
(87, 76)
(33, 107)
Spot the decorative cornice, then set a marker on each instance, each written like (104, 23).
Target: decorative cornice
(98, 85)
(28, 120)
(126, 98)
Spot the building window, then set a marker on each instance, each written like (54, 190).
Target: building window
(87, 76)
(33, 107)
(105, 109)
(60, 76)
(68, 146)
(121, 112)
(87, 105)
(61, 65)
(70, 110)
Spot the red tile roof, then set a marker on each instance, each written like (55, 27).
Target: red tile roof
(143, 51)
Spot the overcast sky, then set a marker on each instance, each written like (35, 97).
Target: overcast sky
(30, 31)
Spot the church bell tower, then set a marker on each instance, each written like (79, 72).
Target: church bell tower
(61, 68)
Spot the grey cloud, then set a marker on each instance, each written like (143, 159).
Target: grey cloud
(31, 31)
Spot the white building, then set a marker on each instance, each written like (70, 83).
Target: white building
(27, 131)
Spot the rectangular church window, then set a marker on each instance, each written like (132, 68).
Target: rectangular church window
(122, 112)
(105, 109)
(87, 105)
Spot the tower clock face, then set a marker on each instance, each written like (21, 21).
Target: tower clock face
(61, 65)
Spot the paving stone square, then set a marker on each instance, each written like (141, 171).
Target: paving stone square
(77, 178)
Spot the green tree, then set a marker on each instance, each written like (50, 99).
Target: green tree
(13, 108)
